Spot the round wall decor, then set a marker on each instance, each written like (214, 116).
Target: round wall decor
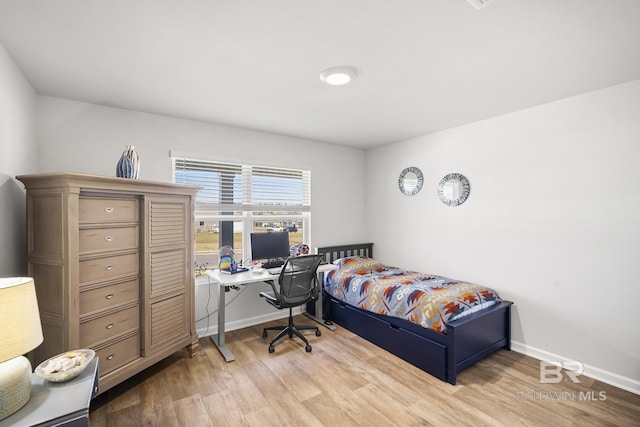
(454, 189)
(410, 181)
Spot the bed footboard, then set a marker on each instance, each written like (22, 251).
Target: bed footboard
(476, 336)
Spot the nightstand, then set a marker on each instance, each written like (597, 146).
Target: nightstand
(58, 404)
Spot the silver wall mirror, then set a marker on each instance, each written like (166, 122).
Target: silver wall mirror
(454, 189)
(410, 181)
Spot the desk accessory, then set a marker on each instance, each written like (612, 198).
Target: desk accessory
(236, 271)
(65, 366)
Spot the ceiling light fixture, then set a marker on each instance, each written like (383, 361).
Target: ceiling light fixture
(338, 76)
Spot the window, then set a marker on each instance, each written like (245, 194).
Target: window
(238, 199)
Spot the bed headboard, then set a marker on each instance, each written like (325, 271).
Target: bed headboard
(332, 253)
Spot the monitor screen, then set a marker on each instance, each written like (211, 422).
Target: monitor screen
(271, 245)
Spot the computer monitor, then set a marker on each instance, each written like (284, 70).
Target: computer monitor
(273, 247)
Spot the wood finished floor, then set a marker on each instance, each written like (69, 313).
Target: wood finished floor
(347, 381)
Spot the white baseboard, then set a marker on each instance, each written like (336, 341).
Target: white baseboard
(244, 323)
(607, 377)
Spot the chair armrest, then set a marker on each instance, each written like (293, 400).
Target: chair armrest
(269, 295)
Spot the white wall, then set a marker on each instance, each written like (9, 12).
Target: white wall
(552, 222)
(553, 207)
(17, 156)
(80, 137)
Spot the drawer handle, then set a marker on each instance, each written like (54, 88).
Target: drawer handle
(108, 296)
(108, 267)
(108, 210)
(110, 357)
(110, 326)
(108, 238)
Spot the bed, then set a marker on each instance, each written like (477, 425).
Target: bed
(443, 351)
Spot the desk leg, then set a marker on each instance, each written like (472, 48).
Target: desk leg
(218, 339)
(318, 311)
(325, 323)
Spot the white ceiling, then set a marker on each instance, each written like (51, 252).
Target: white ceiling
(424, 65)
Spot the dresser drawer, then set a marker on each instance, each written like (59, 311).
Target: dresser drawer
(106, 268)
(99, 299)
(106, 327)
(92, 210)
(94, 240)
(118, 354)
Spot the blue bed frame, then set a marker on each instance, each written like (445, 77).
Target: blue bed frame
(466, 341)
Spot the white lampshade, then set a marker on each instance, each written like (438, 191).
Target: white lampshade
(20, 332)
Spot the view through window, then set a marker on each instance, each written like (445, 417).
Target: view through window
(238, 199)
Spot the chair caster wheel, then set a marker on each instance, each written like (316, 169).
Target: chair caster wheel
(271, 349)
(318, 333)
(308, 348)
(264, 334)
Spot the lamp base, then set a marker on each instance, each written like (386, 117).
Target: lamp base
(15, 385)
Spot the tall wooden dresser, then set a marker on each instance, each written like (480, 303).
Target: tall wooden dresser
(112, 260)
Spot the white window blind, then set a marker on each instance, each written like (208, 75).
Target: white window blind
(235, 187)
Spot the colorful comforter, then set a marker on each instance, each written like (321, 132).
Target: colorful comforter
(430, 301)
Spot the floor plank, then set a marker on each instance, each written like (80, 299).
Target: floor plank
(348, 381)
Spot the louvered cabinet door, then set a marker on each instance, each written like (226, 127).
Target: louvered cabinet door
(168, 284)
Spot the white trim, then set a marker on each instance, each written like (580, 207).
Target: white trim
(246, 322)
(607, 377)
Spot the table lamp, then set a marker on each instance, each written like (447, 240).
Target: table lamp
(20, 332)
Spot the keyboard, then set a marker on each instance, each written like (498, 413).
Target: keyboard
(272, 264)
(274, 271)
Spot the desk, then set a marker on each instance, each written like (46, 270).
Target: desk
(58, 404)
(225, 280)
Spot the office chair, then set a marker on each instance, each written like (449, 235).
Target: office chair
(297, 285)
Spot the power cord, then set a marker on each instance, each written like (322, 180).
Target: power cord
(236, 288)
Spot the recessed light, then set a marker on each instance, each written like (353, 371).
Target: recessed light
(338, 76)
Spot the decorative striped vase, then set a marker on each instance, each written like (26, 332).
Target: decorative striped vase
(129, 164)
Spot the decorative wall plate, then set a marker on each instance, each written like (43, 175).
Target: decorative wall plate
(454, 189)
(410, 181)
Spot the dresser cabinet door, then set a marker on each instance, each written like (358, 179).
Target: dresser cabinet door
(167, 265)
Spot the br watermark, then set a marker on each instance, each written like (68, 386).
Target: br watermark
(551, 372)
(556, 396)
(555, 372)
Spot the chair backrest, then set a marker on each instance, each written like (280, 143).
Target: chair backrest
(299, 280)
